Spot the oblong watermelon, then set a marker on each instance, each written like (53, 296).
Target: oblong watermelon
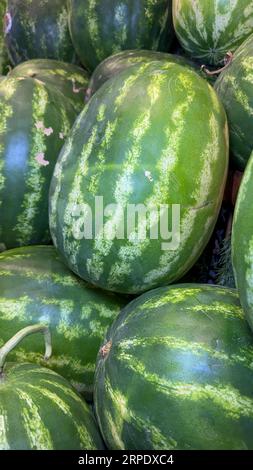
(38, 29)
(35, 119)
(100, 29)
(70, 79)
(142, 140)
(209, 29)
(235, 89)
(39, 408)
(175, 372)
(116, 63)
(36, 287)
(242, 242)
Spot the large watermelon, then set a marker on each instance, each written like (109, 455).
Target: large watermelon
(208, 29)
(175, 372)
(40, 410)
(36, 287)
(242, 242)
(34, 121)
(235, 88)
(38, 29)
(102, 28)
(153, 136)
(116, 63)
(70, 79)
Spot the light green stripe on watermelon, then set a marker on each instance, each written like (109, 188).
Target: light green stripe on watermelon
(242, 243)
(208, 30)
(192, 369)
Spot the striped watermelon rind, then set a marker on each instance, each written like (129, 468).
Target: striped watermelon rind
(209, 29)
(47, 292)
(97, 34)
(38, 30)
(242, 242)
(235, 89)
(175, 372)
(112, 152)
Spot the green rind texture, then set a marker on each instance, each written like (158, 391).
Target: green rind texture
(116, 63)
(100, 29)
(38, 29)
(208, 29)
(40, 411)
(141, 139)
(235, 89)
(70, 79)
(177, 373)
(242, 242)
(35, 119)
(46, 292)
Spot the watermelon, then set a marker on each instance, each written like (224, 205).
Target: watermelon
(39, 409)
(116, 63)
(100, 29)
(209, 29)
(242, 242)
(132, 146)
(46, 291)
(175, 372)
(235, 89)
(70, 79)
(34, 120)
(38, 29)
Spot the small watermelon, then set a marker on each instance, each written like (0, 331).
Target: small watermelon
(175, 372)
(208, 29)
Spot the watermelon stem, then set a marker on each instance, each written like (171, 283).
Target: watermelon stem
(29, 330)
(227, 61)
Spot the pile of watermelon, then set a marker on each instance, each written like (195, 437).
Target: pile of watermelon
(126, 229)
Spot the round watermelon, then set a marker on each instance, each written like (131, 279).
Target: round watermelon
(116, 63)
(175, 372)
(35, 118)
(70, 79)
(100, 29)
(235, 89)
(38, 29)
(46, 291)
(242, 242)
(209, 29)
(149, 150)
(39, 408)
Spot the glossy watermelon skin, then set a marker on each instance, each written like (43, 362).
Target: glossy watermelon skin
(209, 29)
(41, 411)
(34, 121)
(116, 63)
(70, 79)
(47, 292)
(175, 372)
(151, 117)
(242, 242)
(235, 89)
(100, 29)
(38, 29)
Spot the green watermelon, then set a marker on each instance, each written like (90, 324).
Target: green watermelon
(235, 89)
(242, 242)
(37, 287)
(175, 372)
(209, 29)
(141, 140)
(38, 29)
(100, 29)
(70, 79)
(35, 118)
(39, 409)
(116, 63)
